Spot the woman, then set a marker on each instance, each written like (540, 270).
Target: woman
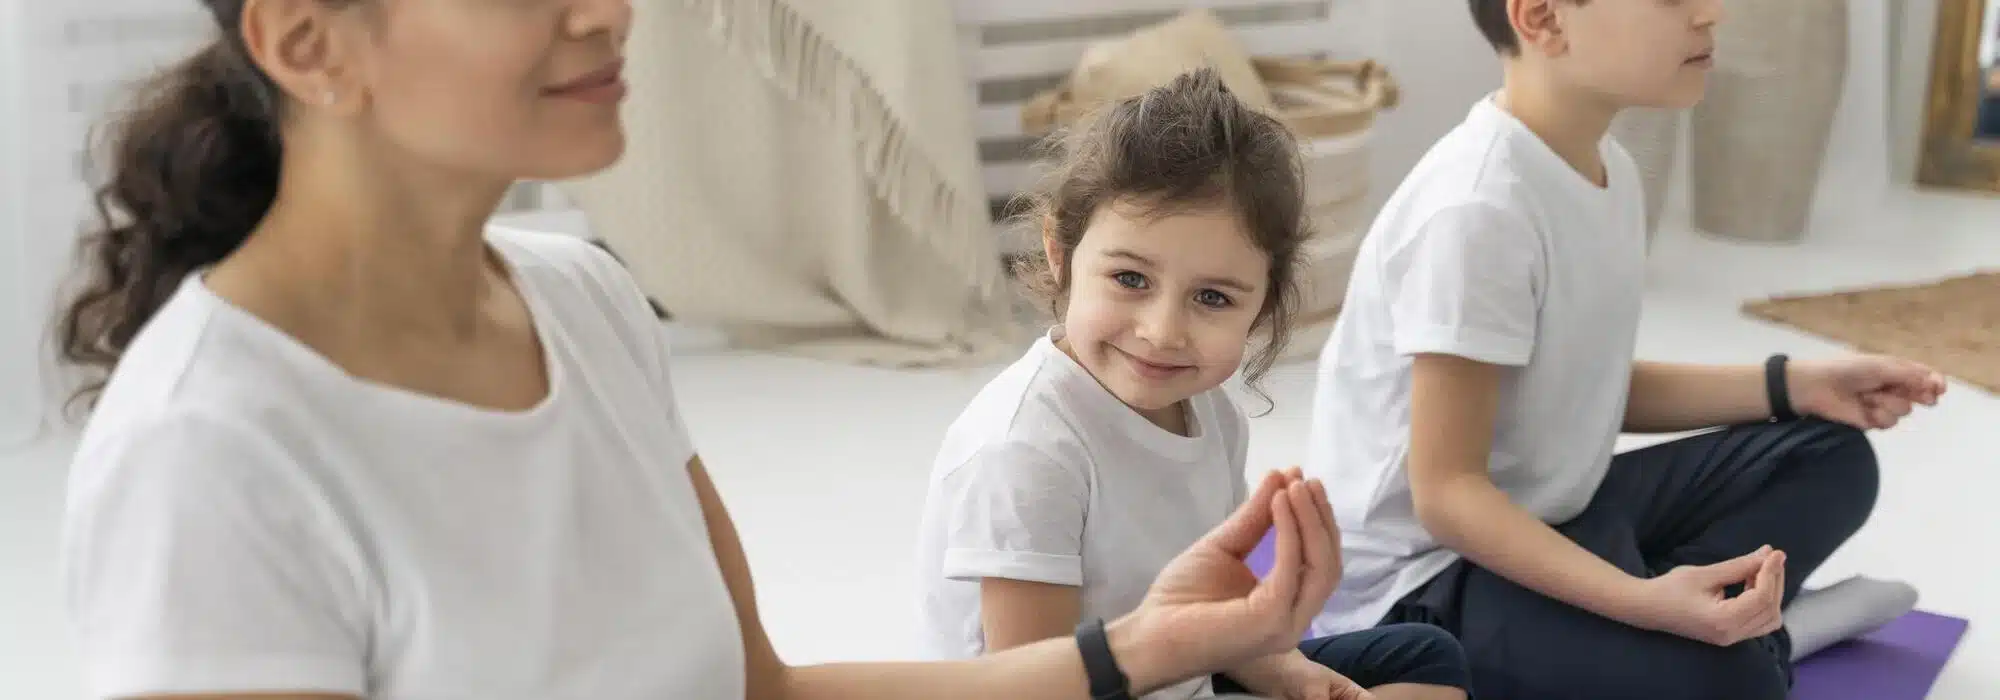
(354, 446)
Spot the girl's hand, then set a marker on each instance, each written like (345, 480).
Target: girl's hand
(1207, 612)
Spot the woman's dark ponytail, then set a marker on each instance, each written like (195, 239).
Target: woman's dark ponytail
(193, 168)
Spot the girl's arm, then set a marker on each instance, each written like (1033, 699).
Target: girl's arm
(1205, 612)
(1016, 613)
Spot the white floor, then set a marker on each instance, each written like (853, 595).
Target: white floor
(823, 466)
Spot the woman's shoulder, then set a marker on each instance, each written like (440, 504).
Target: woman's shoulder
(579, 262)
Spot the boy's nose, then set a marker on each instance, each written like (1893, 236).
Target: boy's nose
(1709, 13)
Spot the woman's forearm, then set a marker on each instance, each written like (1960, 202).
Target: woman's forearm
(1051, 669)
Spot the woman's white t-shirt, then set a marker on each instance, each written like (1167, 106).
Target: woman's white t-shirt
(1047, 477)
(245, 517)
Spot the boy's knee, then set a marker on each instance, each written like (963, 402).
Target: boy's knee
(1844, 454)
(1424, 655)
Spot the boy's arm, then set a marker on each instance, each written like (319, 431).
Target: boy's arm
(1452, 405)
(1667, 398)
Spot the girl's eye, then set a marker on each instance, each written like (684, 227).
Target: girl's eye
(1130, 280)
(1212, 299)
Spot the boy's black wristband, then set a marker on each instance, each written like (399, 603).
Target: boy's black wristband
(1777, 390)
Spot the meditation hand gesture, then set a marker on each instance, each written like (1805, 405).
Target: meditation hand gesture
(1691, 601)
(1207, 611)
(1870, 392)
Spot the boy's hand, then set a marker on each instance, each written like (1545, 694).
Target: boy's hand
(1870, 392)
(1690, 600)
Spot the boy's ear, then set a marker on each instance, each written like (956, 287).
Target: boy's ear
(1538, 26)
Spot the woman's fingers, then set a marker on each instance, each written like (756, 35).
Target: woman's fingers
(1320, 575)
(1280, 588)
(1245, 529)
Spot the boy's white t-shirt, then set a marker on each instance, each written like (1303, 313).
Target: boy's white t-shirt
(1497, 250)
(244, 517)
(1047, 477)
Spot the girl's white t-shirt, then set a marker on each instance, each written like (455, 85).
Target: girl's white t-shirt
(1047, 477)
(244, 517)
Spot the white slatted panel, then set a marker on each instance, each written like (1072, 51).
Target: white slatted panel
(1015, 48)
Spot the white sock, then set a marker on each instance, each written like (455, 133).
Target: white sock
(1821, 618)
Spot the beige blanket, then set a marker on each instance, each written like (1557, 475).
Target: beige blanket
(802, 174)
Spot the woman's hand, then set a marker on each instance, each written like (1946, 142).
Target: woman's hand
(1207, 611)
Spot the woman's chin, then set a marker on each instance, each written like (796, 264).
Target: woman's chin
(582, 157)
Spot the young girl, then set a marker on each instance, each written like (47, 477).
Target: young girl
(1171, 234)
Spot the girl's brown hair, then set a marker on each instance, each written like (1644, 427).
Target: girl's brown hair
(1189, 144)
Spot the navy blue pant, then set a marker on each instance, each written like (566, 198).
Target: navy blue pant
(1803, 487)
(1405, 653)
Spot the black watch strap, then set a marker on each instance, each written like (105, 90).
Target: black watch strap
(1775, 387)
(1107, 682)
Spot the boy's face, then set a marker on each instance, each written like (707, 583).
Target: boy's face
(1637, 53)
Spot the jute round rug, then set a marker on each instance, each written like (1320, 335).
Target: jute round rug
(1953, 325)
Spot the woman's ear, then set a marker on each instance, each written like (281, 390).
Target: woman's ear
(290, 42)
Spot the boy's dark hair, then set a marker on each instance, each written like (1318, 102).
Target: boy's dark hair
(1186, 145)
(1491, 16)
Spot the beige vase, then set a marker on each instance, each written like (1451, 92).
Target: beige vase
(1653, 137)
(1759, 138)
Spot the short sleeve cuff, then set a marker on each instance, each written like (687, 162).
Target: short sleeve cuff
(145, 676)
(1469, 343)
(975, 564)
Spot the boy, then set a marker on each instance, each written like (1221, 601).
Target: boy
(1482, 370)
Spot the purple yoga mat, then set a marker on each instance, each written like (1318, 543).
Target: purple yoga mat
(1898, 662)
(1901, 661)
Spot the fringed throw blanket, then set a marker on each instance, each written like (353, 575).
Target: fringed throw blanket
(803, 175)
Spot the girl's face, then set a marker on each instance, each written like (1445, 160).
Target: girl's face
(1161, 307)
(507, 89)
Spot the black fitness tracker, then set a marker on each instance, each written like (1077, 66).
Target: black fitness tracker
(1775, 388)
(1106, 681)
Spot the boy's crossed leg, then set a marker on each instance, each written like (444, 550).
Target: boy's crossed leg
(1801, 487)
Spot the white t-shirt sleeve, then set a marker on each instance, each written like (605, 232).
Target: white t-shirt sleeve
(1016, 514)
(1239, 453)
(1466, 283)
(191, 569)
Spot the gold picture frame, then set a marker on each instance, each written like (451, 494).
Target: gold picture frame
(1963, 100)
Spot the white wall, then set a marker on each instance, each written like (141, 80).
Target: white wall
(1436, 54)
(20, 388)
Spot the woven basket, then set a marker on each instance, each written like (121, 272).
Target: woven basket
(1317, 98)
